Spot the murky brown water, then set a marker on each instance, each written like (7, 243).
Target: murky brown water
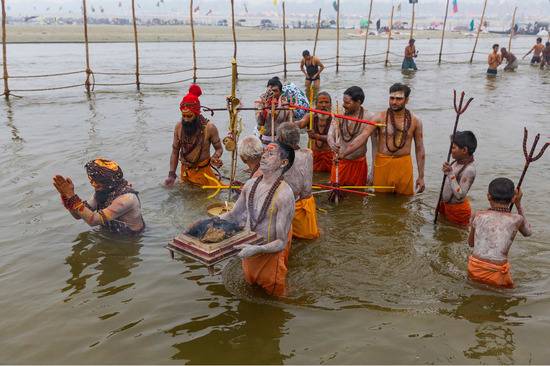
(382, 284)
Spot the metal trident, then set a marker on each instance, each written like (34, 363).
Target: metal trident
(529, 158)
(459, 109)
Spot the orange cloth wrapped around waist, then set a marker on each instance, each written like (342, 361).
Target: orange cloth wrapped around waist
(458, 213)
(322, 160)
(394, 171)
(489, 273)
(196, 175)
(350, 172)
(304, 224)
(269, 270)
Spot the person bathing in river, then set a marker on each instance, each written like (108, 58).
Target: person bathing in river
(322, 154)
(300, 178)
(460, 175)
(392, 144)
(311, 67)
(494, 60)
(273, 97)
(492, 233)
(511, 60)
(545, 56)
(410, 54)
(537, 52)
(343, 139)
(193, 136)
(114, 205)
(266, 206)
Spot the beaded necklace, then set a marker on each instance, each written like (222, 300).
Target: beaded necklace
(355, 130)
(255, 221)
(190, 143)
(499, 209)
(398, 142)
(318, 131)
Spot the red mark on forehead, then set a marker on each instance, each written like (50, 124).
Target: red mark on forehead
(271, 147)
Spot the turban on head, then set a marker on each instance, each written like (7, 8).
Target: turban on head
(106, 172)
(191, 101)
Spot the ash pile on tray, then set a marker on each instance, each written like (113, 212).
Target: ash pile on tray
(213, 230)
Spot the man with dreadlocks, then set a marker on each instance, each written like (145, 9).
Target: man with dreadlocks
(322, 154)
(114, 205)
(393, 144)
(193, 136)
(300, 178)
(266, 206)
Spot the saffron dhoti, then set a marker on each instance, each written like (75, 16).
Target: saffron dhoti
(396, 171)
(489, 273)
(269, 270)
(350, 172)
(457, 213)
(322, 160)
(196, 175)
(304, 224)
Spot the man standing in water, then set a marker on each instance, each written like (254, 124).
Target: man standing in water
(114, 205)
(322, 154)
(393, 144)
(311, 67)
(545, 56)
(193, 136)
(343, 138)
(270, 112)
(494, 60)
(511, 60)
(266, 206)
(537, 52)
(410, 54)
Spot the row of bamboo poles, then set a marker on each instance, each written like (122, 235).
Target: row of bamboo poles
(89, 73)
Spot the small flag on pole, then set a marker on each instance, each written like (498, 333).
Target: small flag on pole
(455, 6)
(399, 7)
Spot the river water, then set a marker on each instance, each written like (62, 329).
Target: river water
(381, 285)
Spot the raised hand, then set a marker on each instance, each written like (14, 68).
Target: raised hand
(65, 187)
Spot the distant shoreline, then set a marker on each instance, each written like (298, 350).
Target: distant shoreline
(177, 33)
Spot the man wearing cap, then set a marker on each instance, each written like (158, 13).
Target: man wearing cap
(193, 136)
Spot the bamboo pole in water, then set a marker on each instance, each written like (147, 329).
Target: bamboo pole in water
(443, 32)
(193, 41)
(317, 32)
(512, 31)
(412, 23)
(136, 42)
(284, 41)
(88, 71)
(389, 39)
(478, 30)
(366, 38)
(4, 54)
(337, 35)
(234, 36)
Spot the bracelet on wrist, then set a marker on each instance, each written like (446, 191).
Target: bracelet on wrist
(172, 174)
(74, 203)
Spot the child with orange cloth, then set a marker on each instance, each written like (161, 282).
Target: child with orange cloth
(460, 175)
(492, 233)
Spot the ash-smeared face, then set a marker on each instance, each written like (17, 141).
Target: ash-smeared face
(397, 101)
(271, 159)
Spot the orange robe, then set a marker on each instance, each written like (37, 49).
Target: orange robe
(269, 270)
(351, 172)
(322, 160)
(196, 175)
(457, 213)
(489, 273)
(396, 171)
(304, 224)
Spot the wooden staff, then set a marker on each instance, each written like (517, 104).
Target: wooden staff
(317, 31)
(4, 54)
(335, 194)
(231, 141)
(193, 41)
(389, 39)
(336, 115)
(87, 83)
(443, 32)
(512, 32)
(273, 120)
(366, 38)
(136, 43)
(284, 40)
(412, 23)
(478, 30)
(337, 35)
(459, 110)
(529, 157)
(233, 31)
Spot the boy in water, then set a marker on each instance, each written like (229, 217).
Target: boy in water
(460, 175)
(493, 232)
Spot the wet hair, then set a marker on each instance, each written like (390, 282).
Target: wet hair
(466, 139)
(326, 94)
(305, 53)
(502, 190)
(286, 152)
(288, 133)
(412, 40)
(397, 87)
(495, 45)
(275, 81)
(355, 93)
(539, 40)
(251, 148)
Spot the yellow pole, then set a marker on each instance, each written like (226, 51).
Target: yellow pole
(512, 30)
(311, 112)
(366, 38)
(136, 43)
(193, 41)
(389, 39)
(233, 31)
(478, 30)
(4, 52)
